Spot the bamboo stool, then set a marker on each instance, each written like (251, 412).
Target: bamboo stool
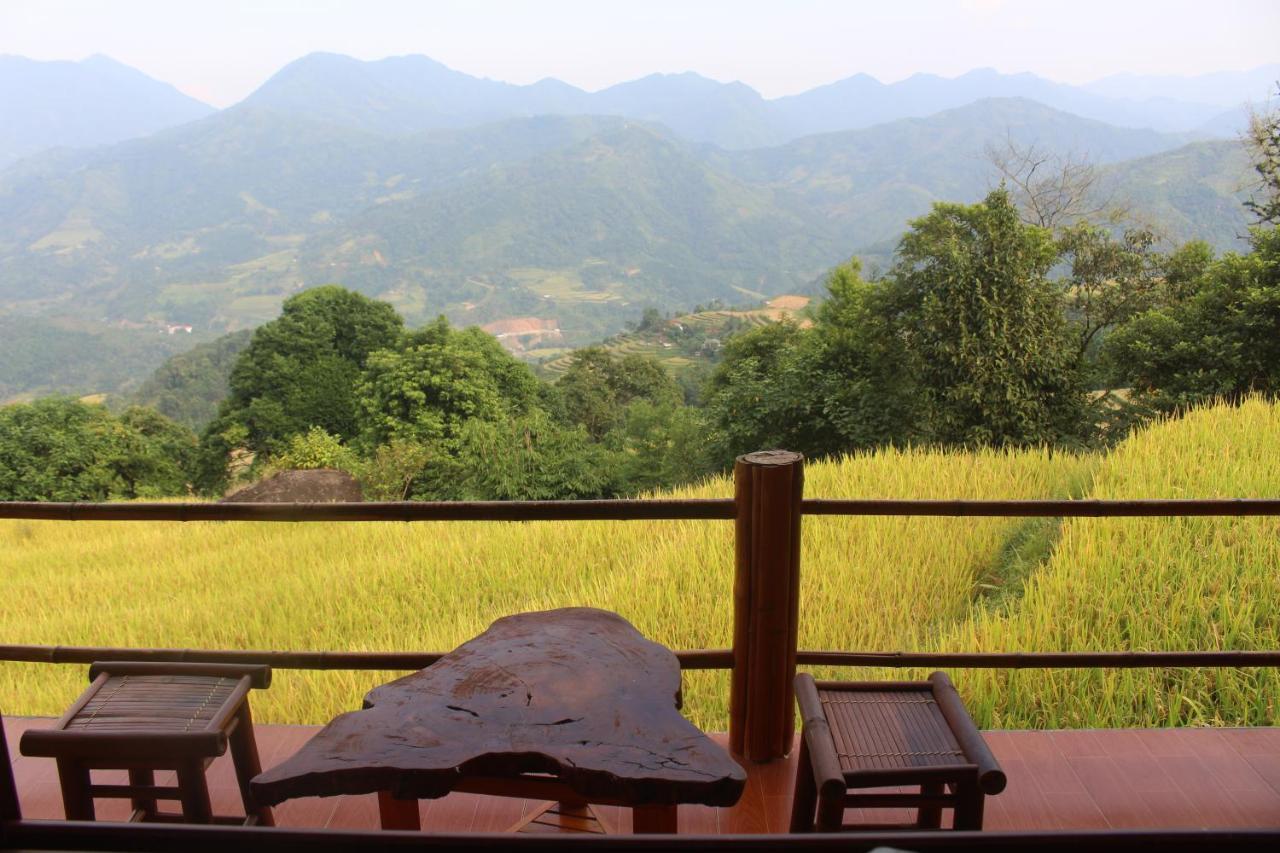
(144, 717)
(880, 734)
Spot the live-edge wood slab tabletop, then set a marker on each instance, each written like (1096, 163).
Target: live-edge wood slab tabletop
(571, 704)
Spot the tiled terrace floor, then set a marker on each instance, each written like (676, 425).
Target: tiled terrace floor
(1087, 779)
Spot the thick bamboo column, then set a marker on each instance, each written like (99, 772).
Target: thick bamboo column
(769, 486)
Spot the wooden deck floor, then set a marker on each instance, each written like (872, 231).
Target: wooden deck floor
(1088, 779)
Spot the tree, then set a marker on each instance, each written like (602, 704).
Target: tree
(651, 321)
(846, 384)
(598, 386)
(1263, 139)
(1052, 190)
(527, 457)
(862, 369)
(315, 449)
(761, 395)
(60, 449)
(662, 446)
(389, 473)
(996, 361)
(1110, 280)
(1221, 341)
(158, 454)
(301, 369)
(1184, 270)
(438, 380)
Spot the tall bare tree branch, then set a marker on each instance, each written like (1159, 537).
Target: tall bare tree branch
(1053, 190)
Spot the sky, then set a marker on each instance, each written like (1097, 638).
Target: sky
(221, 50)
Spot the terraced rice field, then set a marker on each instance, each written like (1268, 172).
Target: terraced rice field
(869, 583)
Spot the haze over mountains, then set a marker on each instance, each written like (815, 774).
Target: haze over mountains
(81, 104)
(413, 93)
(442, 192)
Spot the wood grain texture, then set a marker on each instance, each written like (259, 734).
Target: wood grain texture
(575, 693)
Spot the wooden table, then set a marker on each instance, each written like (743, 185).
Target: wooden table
(570, 705)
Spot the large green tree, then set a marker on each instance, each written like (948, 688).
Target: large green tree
(995, 359)
(598, 386)
(299, 371)
(438, 379)
(861, 368)
(525, 457)
(761, 394)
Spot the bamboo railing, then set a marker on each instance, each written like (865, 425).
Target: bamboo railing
(767, 511)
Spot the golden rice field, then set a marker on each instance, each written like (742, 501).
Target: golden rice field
(869, 583)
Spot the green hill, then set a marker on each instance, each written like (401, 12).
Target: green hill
(580, 222)
(39, 357)
(1192, 192)
(189, 386)
(629, 217)
(868, 183)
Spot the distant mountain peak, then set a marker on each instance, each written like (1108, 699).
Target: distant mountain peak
(95, 101)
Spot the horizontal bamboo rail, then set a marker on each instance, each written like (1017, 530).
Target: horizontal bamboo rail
(701, 659)
(1048, 508)
(1040, 660)
(695, 659)
(603, 510)
(706, 509)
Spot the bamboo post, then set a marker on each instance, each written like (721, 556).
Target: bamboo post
(768, 490)
(9, 808)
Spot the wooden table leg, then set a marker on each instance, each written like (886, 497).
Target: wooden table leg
(654, 819)
(397, 814)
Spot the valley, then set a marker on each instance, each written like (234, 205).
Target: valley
(465, 205)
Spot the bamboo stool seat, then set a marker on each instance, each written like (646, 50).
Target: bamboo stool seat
(860, 735)
(144, 717)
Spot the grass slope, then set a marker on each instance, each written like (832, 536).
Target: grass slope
(869, 583)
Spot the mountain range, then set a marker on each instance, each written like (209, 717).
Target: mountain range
(406, 94)
(98, 101)
(82, 104)
(441, 192)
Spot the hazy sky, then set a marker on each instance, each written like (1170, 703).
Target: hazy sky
(220, 50)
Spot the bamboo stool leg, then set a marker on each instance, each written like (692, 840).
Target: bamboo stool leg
(244, 755)
(194, 789)
(805, 799)
(969, 805)
(930, 817)
(144, 806)
(77, 802)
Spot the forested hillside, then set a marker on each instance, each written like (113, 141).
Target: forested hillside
(581, 221)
